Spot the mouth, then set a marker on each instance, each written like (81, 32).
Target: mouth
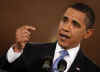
(64, 36)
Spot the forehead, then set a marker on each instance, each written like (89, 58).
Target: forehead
(75, 15)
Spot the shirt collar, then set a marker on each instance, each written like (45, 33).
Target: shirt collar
(72, 51)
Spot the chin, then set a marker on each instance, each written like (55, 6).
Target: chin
(64, 45)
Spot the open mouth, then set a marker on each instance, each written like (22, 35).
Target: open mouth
(65, 36)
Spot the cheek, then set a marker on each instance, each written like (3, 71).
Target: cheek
(60, 25)
(77, 35)
(59, 28)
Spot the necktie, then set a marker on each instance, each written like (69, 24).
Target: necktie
(63, 53)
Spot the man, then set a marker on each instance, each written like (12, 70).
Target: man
(76, 25)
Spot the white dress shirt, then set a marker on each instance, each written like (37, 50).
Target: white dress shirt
(70, 58)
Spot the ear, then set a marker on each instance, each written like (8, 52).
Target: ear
(89, 33)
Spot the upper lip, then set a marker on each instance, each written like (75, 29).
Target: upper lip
(64, 35)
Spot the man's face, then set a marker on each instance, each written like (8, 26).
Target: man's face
(72, 28)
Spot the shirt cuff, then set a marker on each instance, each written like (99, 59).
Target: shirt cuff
(12, 56)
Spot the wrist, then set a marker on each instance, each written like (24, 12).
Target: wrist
(16, 48)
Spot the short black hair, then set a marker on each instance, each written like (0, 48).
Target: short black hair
(87, 10)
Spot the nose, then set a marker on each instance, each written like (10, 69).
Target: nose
(67, 27)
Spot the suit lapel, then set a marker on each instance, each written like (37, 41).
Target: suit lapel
(52, 49)
(78, 63)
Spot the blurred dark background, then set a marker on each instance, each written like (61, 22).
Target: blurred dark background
(45, 15)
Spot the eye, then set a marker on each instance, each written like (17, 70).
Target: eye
(76, 24)
(65, 19)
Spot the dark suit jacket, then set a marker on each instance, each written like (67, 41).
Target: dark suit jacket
(34, 54)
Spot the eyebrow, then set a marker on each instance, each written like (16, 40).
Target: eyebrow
(75, 21)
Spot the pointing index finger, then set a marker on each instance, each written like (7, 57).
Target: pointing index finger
(30, 28)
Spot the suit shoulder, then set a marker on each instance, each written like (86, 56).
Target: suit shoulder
(40, 45)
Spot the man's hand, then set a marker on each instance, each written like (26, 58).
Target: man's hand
(23, 35)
